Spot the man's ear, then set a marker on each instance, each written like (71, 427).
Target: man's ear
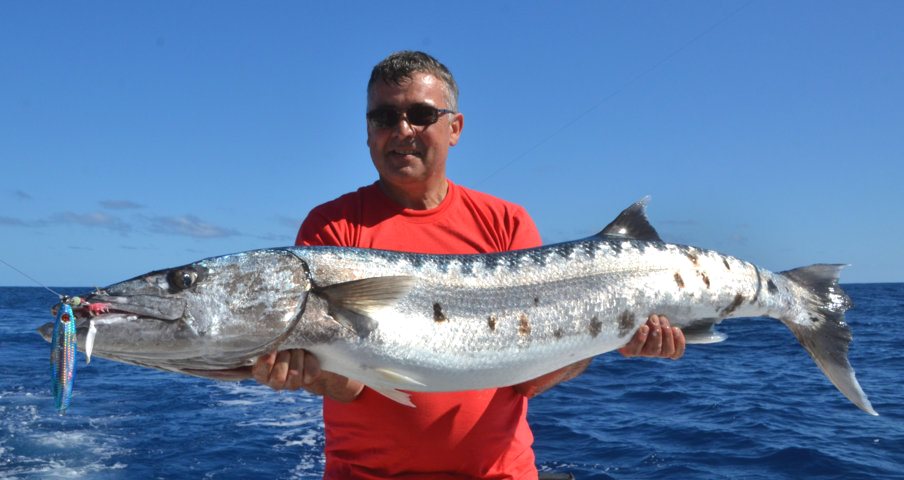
(457, 124)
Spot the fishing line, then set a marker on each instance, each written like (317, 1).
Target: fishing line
(32, 279)
(617, 91)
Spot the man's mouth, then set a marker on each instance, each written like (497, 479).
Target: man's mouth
(406, 152)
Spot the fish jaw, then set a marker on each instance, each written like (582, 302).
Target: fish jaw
(215, 314)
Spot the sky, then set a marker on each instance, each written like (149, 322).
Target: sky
(136, 136)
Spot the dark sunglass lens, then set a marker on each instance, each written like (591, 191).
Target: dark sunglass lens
(384, 117)
(422, 115)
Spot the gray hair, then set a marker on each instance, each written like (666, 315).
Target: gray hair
(400, 66)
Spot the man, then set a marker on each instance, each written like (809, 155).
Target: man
(412, 121)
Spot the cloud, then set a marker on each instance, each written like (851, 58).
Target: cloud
(285, 238)
(93, 220)
(185, 225)
(22, 195)
(189, 226)
(290, 222)
(14, 222)
(120, 205)
(737, 239)
(679, 223)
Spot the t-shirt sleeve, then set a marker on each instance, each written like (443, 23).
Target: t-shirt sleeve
(317, 229)
(524, 231)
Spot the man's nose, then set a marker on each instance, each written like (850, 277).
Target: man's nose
(404, 128)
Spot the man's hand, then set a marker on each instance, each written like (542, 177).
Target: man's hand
(294, 369)
(656, 339)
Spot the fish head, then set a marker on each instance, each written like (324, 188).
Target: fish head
(204, 318)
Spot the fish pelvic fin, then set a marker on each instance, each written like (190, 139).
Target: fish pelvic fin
(396, 379)
(703, 332)
(353, 303)
(822, 330)
(632, 223)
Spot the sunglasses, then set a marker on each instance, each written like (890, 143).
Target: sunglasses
(416, 115)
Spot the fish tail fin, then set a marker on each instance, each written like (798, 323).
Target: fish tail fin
(821, 328)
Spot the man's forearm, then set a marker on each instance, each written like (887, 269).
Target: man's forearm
(532, 388)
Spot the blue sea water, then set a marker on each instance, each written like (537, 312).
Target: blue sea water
(752, 407)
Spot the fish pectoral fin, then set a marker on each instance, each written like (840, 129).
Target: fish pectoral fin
(394, 395)
(362, 325)
(703, 331)
(353, 303)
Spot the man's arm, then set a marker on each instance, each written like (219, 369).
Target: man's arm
(657, 338)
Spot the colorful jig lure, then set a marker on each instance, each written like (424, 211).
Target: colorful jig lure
(64, 346)
(63, 356)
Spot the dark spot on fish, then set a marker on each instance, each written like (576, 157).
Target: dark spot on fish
(616, 245)
(626, 322)
(759, 286)
(679, 280)
(438, 315)
(523, 325)
(558, 333)
(771, 285)
(589, 248)
(738, 300)
(536, 301)
(417, 261)
(541, 257)
(725, 262)
(492, 261)
(565, 250)
(815, 319)
(467, 268)
(596, 326)
(693, 257)
(491, 321)
(705, 279)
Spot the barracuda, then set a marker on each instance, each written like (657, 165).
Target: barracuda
(411, 322)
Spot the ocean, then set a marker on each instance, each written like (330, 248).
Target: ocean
(752, 407)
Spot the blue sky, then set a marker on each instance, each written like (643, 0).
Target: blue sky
(141, 135)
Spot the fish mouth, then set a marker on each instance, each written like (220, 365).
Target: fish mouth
(101, 308)
(225, 369)
(147, 306)
(153, 317)
(138, 314)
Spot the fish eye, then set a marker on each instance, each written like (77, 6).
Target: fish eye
(182, 279)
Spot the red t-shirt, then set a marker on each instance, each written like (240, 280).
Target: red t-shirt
(474, 434)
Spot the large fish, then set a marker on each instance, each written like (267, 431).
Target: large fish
(401, 321)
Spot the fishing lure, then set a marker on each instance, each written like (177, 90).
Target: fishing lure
(64, 346)
(63, 356)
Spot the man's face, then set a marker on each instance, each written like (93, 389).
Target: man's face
(405, 154)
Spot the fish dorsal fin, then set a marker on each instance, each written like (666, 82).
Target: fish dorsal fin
(353, 303)
(632, 223)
